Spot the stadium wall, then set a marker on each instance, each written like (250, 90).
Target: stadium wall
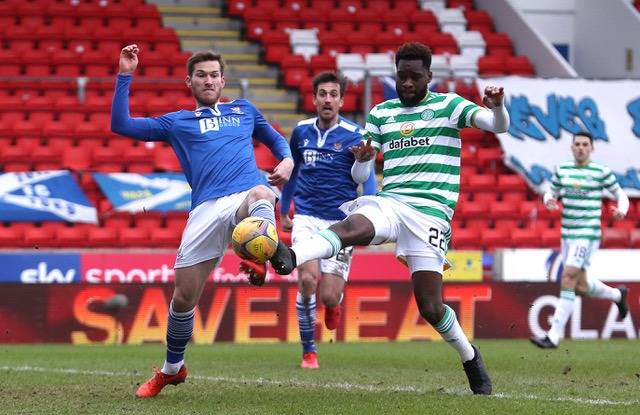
(606, 40)
(527, 40)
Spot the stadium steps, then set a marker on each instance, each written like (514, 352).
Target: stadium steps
(201, 25)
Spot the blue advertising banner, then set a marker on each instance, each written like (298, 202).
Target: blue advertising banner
(44, 196)
(133, 192)
(50, 268)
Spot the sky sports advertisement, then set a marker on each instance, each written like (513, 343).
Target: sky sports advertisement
(147, 267)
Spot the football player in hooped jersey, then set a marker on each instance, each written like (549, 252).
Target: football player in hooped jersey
(418, 135)
(580, 183)
(320, 183)
(215, 147)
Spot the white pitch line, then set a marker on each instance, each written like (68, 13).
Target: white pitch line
(342, 385)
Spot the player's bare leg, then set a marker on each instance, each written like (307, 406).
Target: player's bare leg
(189, 283)
(331, 289)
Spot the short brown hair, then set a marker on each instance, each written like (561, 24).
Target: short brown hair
(203, 56)
(329, 76)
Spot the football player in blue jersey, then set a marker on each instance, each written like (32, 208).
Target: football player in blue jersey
(320, 183)
(214, 145)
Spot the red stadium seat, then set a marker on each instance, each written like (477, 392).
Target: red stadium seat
(526, 238)
(468, 238)
(165, 238)
(615, 238)
(75, 236)
(44, 236)
(498, 44)
(495, 238)
(102, 237)
(519, 65)
(138, 237)
(492, 65)
(11, 237)
(634, 236)
(550, 238)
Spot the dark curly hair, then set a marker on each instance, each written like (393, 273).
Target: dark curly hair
(414, 51)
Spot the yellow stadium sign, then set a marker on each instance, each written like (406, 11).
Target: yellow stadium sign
(466, 266)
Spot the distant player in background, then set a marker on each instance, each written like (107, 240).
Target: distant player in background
(418, 135)
(580, 183)
(320, 183)
(215, 147)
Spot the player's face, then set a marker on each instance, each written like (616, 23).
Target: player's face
(206, 82)
(412, 80)
(581, 148)
(328, 101)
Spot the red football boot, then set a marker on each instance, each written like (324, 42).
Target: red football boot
(332, 317)
(159, 380)
(310, 361)
(257, 272)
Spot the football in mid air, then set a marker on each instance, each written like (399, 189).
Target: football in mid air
(255, 239)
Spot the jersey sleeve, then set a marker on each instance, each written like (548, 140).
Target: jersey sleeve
(461, 112)
(556, 185)
(140, 128)
(372, 129)
(609, 180)
(289, 187)
(265, 133)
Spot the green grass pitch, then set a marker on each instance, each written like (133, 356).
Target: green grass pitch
(581, 377)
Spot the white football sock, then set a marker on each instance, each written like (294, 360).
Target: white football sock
(564, 308)
(598, 289)
(452, 333)
(323, 244)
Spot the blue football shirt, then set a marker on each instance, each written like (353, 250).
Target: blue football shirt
(321, 180)
(213, 144)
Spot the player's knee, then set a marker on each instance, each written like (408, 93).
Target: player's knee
(354, 230)
(262, 192)
(431, 311)
(330, 299)
(307, 282)
(183, 301)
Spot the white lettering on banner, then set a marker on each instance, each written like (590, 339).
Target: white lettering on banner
(610, 326)
(43, 276)
(108, 275)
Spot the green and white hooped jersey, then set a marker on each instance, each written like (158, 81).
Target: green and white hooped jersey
(421, 150)
(581, 190)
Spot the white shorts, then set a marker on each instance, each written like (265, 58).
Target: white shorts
(304, 226)
(208, 231)
(577, 252)
(421, 240)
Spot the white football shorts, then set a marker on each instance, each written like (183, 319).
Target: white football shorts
(421, 240)
(208, 230)
(577, 252)
(304, 226)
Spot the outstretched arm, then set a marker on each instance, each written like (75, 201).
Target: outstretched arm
(623, 204)
(496, 119)
(121, 122)
(365, 158)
